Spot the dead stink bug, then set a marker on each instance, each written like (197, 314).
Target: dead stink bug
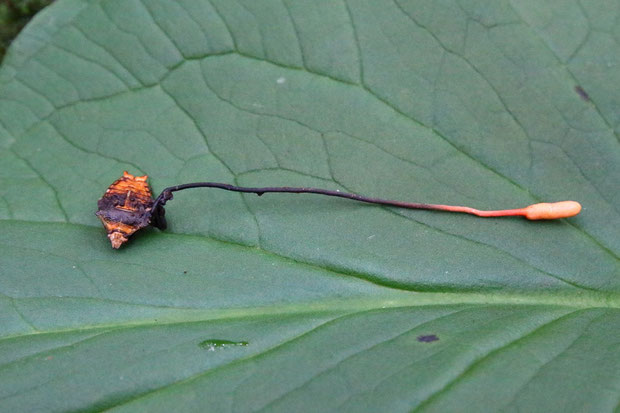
(128, 205)
(125, 207)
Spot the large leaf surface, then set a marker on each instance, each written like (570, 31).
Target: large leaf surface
(295, 302)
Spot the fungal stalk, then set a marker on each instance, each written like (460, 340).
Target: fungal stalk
(128, 205)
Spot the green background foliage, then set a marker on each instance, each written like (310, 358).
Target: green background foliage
(474, 103)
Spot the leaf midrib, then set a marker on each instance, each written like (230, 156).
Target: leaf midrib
(389, 285)
(394, 300)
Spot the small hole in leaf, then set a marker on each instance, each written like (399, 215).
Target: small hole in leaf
(428, 338)
(582, 93)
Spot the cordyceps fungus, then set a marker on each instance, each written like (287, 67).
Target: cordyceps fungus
(128, 205)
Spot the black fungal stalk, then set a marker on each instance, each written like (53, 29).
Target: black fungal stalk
(160, 222)
(555, 210)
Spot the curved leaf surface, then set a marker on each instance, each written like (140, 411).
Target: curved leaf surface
(295, 302)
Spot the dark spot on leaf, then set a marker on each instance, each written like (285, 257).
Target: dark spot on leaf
(428, 339)
(213, 343)
(184, 272)
(582, 93)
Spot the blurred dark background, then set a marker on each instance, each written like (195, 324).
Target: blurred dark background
(14, 14)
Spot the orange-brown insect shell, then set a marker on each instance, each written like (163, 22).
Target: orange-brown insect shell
(125, 207)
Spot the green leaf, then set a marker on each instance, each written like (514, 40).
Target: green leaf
(300, 302)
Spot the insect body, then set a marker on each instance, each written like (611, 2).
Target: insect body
(125, 207)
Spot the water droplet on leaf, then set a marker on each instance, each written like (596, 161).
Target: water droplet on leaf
(212, 344)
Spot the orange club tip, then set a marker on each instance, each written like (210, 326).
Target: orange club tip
(555, 210)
